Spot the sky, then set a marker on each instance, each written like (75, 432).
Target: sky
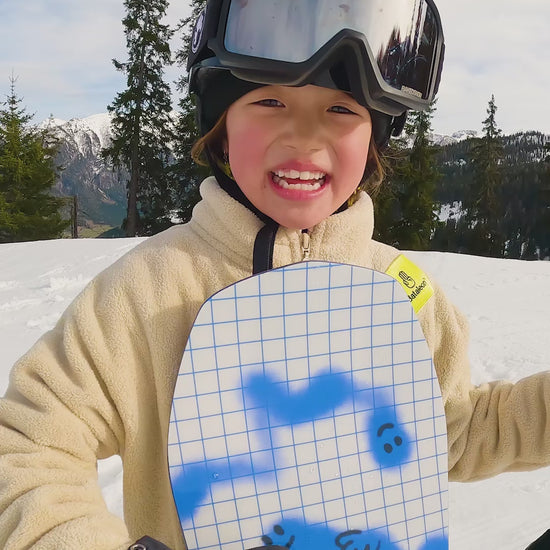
(60, 51)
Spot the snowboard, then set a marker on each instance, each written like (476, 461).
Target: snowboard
(307, 414)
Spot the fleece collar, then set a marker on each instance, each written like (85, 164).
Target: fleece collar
(231, 228)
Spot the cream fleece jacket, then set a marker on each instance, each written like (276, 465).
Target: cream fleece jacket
(100, 383)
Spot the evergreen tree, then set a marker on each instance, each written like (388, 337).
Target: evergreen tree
(187, 174)
(386, 198)
(28, 210)
(542, 222)
(142, 124)
(485, 211)
(408, 209)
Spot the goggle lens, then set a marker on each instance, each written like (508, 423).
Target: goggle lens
(402, 34)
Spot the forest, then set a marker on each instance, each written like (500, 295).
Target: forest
(488, 196)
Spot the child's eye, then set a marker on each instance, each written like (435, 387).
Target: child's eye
(270, 103)
(341, 109)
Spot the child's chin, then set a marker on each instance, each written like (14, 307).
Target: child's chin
(298, 223)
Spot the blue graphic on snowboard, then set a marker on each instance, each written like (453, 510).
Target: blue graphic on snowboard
(297, 535)
(320, 537)
(326, 393)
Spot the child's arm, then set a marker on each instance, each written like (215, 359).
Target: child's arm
(496, 427)
(56, 419)
(98, 384)
(509, 429)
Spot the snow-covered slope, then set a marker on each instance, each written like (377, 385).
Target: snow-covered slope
(507, 303)
(461, 135)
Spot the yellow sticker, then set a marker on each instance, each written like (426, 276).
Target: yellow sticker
(413, 280)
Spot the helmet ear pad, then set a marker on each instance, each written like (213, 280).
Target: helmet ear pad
(385, 126)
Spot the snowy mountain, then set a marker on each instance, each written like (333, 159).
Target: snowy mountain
(88, 135)
(101, 191)
(443, 140)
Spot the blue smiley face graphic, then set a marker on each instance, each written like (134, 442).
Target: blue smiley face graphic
(389, 442)
(296, 535)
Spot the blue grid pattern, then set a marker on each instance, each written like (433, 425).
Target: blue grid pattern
(292, 324)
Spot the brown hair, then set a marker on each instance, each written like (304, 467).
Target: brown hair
(375, 172)
(213, 144)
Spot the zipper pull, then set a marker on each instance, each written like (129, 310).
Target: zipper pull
(305, 245)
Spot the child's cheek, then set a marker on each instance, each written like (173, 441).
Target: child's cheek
(253, 135)
(248, 145)
(355, 152)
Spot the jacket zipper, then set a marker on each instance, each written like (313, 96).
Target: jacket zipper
(305, 245)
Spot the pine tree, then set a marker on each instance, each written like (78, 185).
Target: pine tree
(187, 174)
(542, 223)
(409, 196)
(421, 176)
(142, 123)
(485, 211)
(28, 210)
(386, 198)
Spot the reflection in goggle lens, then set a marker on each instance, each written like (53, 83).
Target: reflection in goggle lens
(402, 34)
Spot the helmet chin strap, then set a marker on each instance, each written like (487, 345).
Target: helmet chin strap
(262, 258)
(230, 186)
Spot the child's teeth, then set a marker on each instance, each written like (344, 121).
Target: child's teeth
(297, 186)
(295, 175)
(300, 186)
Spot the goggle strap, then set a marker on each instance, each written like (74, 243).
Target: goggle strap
(205, 27)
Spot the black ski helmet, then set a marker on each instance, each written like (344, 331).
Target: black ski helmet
(387, 53)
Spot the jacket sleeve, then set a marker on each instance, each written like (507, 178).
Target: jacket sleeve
(492, 428)
(57, 419)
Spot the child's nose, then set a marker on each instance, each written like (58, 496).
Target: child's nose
(304, 132)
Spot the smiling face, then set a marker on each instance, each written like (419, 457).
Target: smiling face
(297, 153)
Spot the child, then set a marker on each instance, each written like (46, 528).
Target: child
(291, 146)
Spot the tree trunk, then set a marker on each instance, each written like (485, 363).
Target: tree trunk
(74, 218)
(132, 213)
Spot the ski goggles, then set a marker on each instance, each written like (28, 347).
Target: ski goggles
(391, 51)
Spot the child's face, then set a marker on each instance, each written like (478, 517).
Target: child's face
(298, 153)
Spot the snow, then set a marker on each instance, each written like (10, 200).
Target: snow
(100, 124)
(450, 211)
(89, 135)
(461, 135)
(52, 123)
(506, 301)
